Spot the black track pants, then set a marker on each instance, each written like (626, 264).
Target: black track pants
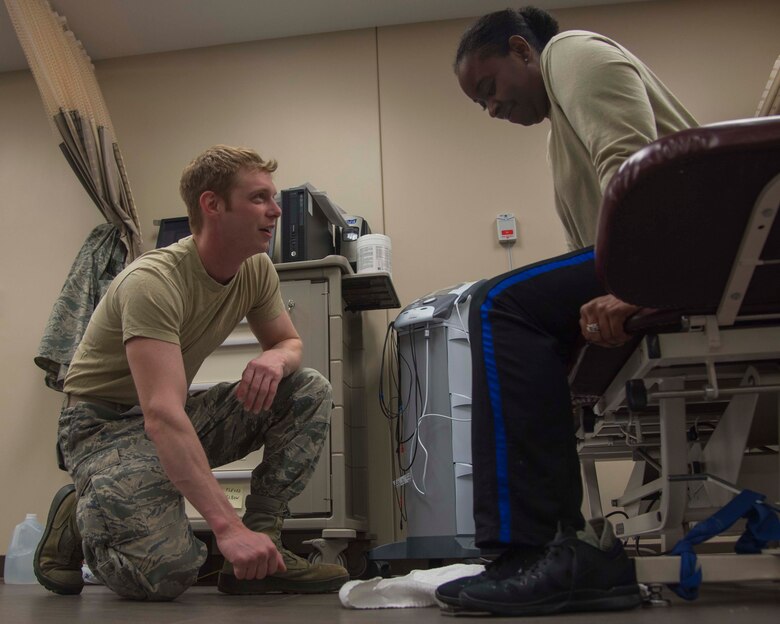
(524, 326)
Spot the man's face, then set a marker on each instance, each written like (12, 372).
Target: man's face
(507, 86)
(251, 212)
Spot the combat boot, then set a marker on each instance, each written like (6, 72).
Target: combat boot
(58, 558)
(264, 515)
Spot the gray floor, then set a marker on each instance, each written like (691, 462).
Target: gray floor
(754, 604)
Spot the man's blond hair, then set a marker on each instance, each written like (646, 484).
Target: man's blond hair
(215, 170)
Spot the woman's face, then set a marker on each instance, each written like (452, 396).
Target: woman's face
(508, 87)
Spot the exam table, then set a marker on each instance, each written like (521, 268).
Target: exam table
(689, 231)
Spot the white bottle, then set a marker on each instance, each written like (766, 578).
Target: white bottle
(21, 550)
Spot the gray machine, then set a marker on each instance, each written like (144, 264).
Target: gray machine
(435, 375)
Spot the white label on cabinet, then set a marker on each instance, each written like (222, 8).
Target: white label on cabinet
(235, 494)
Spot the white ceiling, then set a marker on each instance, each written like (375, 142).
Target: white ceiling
(116, 28)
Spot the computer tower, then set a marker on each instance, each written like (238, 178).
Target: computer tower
(307, 234)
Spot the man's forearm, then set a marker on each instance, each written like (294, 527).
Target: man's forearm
(184, 461)
(291, 351)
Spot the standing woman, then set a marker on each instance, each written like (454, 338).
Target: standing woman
(603, 104)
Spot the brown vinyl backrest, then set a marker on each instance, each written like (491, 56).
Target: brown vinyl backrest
(674, 216)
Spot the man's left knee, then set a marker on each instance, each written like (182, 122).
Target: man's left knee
(313, 384)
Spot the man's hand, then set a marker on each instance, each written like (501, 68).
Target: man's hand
(282, 348)
(602, 319)
(260, 381)
(253, 555)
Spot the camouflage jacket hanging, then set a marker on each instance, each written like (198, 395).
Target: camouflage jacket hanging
(100, 259)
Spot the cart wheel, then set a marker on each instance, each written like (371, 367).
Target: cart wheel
(315, 556)
(358, 567)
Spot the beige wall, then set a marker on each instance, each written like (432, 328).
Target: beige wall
(373, 117)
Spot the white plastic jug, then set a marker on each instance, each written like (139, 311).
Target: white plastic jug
(21, 550)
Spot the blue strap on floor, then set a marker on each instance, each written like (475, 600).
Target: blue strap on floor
(763, 525)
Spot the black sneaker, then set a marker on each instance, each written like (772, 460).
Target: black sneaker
(573, 576)
(505, 565)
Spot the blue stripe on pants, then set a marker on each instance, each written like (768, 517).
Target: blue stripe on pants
(494, 388)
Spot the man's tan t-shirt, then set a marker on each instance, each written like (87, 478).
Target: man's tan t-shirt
(166, 294)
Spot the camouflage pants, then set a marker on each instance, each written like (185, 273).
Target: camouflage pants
(135, 534)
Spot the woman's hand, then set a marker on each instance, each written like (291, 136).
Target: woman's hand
(602, 319)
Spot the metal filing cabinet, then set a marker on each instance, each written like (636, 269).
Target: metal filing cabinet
(335, 500)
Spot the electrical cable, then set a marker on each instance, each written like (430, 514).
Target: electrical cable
(416, 435)
(417, 393)
(460, 318)
(425, 450)
(393, 414)
(417, 432)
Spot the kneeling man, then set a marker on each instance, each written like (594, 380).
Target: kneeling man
(136, 444)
